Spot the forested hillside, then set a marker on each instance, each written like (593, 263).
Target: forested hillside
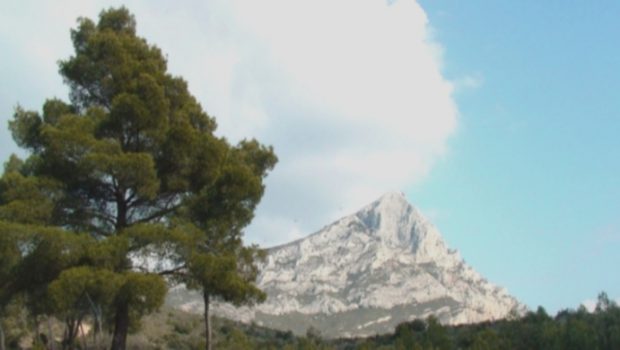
(173, 329)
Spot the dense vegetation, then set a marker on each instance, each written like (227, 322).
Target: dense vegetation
(129, 167)
(568, 330)
(174, 329)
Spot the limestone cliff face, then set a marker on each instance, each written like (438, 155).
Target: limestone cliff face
(367, 272)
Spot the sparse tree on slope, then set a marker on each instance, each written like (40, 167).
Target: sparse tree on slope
(216, 261)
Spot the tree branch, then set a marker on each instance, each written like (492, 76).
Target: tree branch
(158, 214)
(175, 271)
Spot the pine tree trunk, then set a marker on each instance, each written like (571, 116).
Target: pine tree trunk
(83, 337)
(70, 333)
(121, 327)
(50, 335)
(2, 340)
(207, 321)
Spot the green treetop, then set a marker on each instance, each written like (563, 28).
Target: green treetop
(129, 164)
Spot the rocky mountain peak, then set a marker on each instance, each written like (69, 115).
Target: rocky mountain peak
(399, 225)
(385, 212)
(369, 271)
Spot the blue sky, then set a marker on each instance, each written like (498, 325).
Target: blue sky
(530, 191)
(498, 119)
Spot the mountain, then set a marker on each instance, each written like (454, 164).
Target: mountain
(364, 274)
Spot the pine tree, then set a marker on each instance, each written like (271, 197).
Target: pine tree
(130, 164)
(216, 261)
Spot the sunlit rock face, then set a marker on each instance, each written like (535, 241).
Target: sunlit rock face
(364, 274)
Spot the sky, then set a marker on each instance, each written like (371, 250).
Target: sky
(499, 120)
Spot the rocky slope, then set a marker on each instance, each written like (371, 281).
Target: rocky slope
(364, 274)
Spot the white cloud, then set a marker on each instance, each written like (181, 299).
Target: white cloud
(589, 304)
(359, 106)
(349, 92)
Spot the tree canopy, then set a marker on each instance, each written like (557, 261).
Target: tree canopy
(130, 164)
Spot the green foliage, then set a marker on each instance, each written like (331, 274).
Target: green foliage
(213, 218)
(174, 329)
(14, 323)
(436, 335)
(144, 293)
(26, 199)
(487, 339)
(33, 257)
(76, 285)
(570, 329)
(131, 165)
(236, 339)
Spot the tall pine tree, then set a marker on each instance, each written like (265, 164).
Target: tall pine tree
(132, 162)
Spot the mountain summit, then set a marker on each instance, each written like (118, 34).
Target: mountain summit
(369, 271)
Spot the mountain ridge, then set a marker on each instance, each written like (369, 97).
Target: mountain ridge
(367, 272)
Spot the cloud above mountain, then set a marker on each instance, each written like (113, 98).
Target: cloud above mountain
(350, 93)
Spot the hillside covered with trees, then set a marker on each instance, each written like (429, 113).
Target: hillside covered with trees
(174, 329)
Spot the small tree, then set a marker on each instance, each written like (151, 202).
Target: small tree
(216, 261)
(436, 335)
(603, 303)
